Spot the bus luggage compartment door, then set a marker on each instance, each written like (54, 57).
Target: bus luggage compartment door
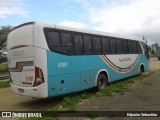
(60, 84)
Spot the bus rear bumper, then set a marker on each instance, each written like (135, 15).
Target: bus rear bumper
(37, 92)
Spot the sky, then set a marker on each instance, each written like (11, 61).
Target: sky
(127, 17)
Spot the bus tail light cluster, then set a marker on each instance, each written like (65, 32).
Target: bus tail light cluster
(39, 79)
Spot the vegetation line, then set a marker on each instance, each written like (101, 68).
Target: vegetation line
(4, 84)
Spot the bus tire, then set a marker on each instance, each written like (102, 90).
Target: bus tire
(101, 82)
(141, 69)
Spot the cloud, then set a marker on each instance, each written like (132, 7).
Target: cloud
(138, 17)
(12, 7)
(73, 24)
(127, 17)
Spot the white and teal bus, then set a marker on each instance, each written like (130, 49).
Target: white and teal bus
(48, 60)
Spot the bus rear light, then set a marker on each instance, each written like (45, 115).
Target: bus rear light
(39, 79)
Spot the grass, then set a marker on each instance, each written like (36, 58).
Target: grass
(4, 84)
(3, 66)
(121, 86)
(68, 103)
(92, 115)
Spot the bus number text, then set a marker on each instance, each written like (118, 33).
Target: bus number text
(62, 64)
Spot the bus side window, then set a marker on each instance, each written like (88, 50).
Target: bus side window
(78, 41)
(125, 46)
(87, 44)
(66, 44)
(53, 38)
(113, 46)
(66, 38)
(130, 47)
(97, 45)
(139, 48)
(119, 46)
(105, 45)
(135, 49)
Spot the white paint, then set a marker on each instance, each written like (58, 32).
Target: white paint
(20, 36)
(116, 60)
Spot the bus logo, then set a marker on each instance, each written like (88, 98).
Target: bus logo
(6, 114)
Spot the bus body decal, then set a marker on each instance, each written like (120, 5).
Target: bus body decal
(119, 69)
(20, 65)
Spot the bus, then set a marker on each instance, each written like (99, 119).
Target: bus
(48, 60)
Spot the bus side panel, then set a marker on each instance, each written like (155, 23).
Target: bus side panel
(60, 84)
(79, 72)
(62, 64)
(87, 79)
(123, 66)
(77, 81)
(145, 61)
(84, 80)
(41, 62)
(136, 70)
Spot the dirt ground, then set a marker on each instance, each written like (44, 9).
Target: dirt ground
(143, 96)
(10, 101)
(154, 65)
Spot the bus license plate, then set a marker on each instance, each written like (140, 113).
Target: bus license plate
(21, 90)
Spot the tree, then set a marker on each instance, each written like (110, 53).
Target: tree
(145, 39)
(4, 31)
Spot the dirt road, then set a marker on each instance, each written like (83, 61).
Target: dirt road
(10, 101)
(154, 65)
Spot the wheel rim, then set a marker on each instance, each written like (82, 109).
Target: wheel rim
(101, 83)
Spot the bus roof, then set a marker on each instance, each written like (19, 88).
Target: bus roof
(98, 32)
(43, 24)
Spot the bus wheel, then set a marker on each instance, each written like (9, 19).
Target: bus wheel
(141, 69)
(101, 82)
